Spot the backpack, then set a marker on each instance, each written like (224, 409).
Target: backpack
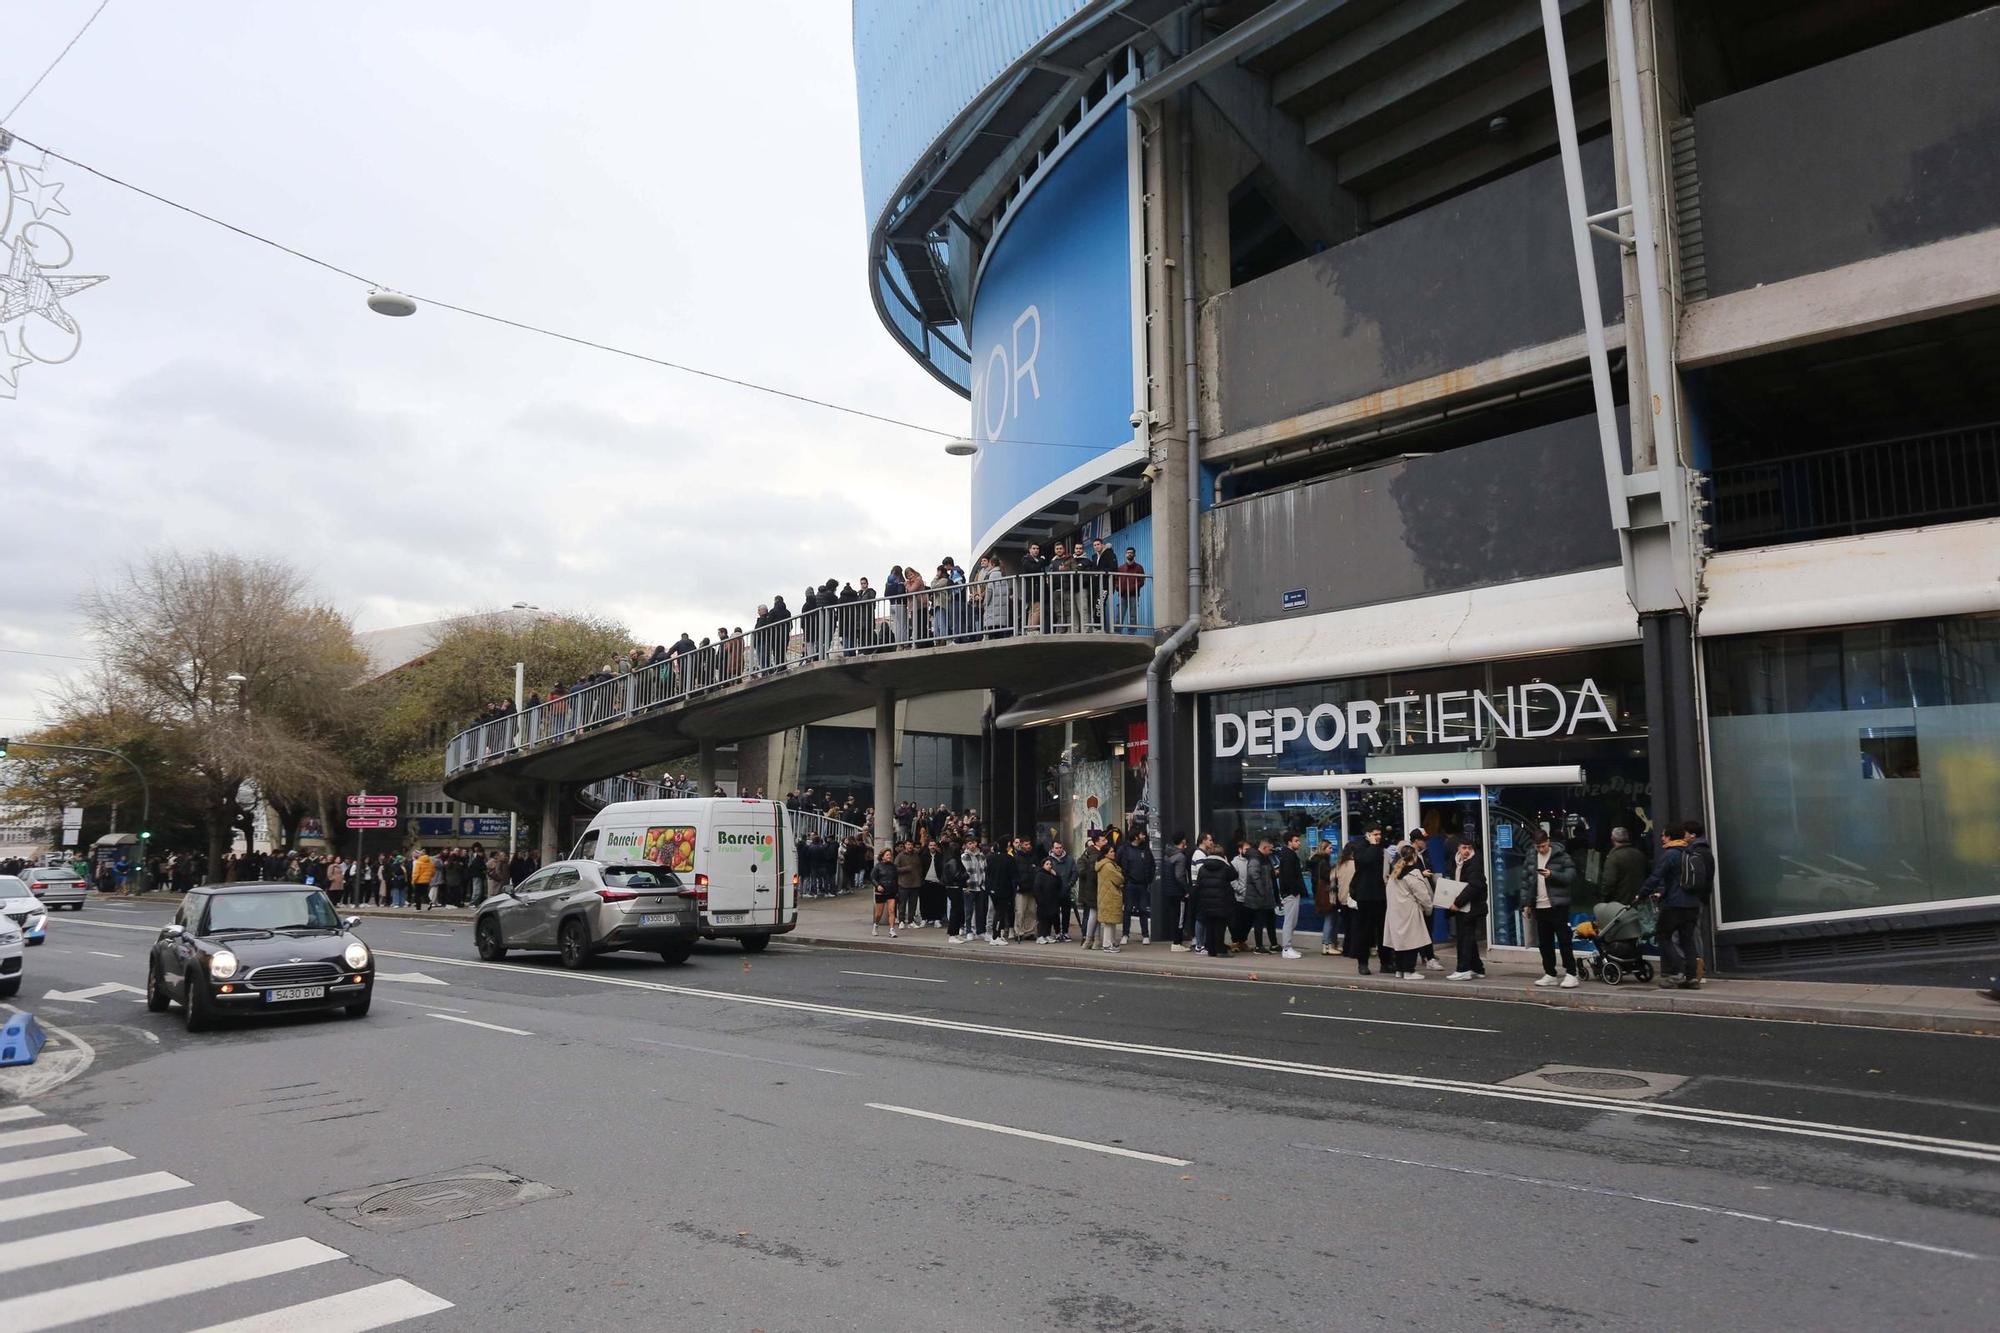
(1697, 872)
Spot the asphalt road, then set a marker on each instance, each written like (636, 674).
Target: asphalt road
(820, 1138)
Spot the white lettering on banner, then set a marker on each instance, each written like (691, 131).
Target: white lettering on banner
(996, 393)
(1534, 711)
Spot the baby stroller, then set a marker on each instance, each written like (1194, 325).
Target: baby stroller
(1618, 930)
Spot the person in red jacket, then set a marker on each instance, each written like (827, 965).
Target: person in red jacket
(1129, 583)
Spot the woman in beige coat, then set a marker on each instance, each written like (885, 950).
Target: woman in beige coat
(1110, 901)
(1407, 927)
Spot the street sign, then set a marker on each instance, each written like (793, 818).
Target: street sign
(365, 799)
(371, 821)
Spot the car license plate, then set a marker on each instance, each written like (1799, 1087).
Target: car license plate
(284, 993)
(660, 919)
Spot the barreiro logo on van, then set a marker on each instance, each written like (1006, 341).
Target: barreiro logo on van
(763, 842)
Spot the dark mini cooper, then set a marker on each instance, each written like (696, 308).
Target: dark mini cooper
(258, 948)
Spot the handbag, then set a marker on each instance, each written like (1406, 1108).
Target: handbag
(1444, 893)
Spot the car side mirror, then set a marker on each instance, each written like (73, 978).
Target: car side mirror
(349, 922)
(172, 932)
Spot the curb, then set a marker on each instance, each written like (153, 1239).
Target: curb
(1592, 998)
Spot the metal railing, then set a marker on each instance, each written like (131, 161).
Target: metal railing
(1056, 603)
(1857, 488)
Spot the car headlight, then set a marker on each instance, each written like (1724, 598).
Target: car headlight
(357, 954)
(36, 922)
(223, 965)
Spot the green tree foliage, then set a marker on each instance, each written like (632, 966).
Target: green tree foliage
(414, 709)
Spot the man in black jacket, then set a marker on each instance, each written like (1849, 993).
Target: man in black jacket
(1291, 888)
(1371, 901)
(1214, 898)
(1105, 562)
(1000, 883)
(1135, 858)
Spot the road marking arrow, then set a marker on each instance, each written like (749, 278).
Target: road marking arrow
(414, 978)
(89, 994)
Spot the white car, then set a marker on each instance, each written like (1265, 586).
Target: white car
(21, 907)
(11, 951)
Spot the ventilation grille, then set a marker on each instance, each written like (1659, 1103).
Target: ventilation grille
(1773, 953)
(1687, 213)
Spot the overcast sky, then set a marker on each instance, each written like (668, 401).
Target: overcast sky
(678, 177)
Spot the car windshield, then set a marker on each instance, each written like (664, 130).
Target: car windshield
(11, 887)
(640, 877)
(56, 872)
(299, 909)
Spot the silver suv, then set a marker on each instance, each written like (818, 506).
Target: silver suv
(583, 908)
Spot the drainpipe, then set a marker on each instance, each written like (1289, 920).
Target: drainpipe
(1157, 670)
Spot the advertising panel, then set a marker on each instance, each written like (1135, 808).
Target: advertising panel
(1052, 372)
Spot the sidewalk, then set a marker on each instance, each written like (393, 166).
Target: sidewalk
(843, 922)
(1510, 976)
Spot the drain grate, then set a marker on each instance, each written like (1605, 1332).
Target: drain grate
(1593, 1080)
(444, 1196)
(1624, 1084)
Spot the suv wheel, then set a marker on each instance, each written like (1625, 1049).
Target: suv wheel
(678, 952)
(574, 943)
(157, 998)
(754, 943)
(486, 938)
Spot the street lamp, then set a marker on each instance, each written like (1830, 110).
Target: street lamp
(385, 302)
(962, 448)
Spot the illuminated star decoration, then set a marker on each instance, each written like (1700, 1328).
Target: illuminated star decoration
(25, 290)
(39, 194)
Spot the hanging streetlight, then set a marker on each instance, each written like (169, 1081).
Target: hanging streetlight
(385, 302)
(961, 448)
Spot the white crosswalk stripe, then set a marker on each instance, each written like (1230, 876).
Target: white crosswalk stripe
(32, 1256)
(55, 1164)
(56, 1246)
(350, 1312)
(148, 1286)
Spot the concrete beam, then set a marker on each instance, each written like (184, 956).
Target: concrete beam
(1251, 37)
(549, 825)
(1397, 25)
(1299, 182)
(1437, 391)
(1906, 287)
(885, 768)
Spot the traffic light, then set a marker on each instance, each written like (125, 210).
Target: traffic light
(145, 835)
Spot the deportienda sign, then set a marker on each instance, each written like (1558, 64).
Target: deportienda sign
(1519, 712)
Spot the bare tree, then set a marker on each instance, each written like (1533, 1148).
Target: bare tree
(255, 676)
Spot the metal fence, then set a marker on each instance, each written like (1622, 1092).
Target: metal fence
(1063, 603)
(1858, 488)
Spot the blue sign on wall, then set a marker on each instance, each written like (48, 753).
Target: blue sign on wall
(1052, 335)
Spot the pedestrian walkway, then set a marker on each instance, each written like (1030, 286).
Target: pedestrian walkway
(64, 1200)
(1510, 976)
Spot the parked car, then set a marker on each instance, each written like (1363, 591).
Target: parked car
(584, 908)
(11, 957)
(258, 948)
(58, 886)
(20, 906)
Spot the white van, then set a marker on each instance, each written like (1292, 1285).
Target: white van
(739, 851)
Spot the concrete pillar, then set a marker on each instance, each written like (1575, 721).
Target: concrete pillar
(885, 768)
(550, 823)
(704, 769)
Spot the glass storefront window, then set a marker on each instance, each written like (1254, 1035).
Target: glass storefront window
(1856, 768)
(1090, 774)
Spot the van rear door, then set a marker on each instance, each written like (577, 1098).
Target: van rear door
(743, 866)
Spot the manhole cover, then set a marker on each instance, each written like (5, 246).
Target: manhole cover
(1623, 1084)
(445, 1196)
(1594, 1081)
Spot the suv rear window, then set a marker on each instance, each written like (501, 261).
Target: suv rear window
(640, 877)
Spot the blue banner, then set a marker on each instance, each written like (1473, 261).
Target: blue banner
(1052, 335)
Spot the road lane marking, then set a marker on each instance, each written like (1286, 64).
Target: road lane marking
(1718, 1119)
(84, 1196)
(355, 1311)
(1111, 1149)
(56, 1164)
(1387, 1022)
(99, 953)
(18, 1113)
(475, 1023)
(418, 1004)
(738, 1055)
(52, 1248)
(149, 1286)
(892, 976)
(23, 1138)
(1574, 1188)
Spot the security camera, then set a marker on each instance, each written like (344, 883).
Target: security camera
(1151, 472)
(1141, 418)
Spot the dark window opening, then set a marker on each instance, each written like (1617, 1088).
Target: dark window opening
(1729, 45)
(1260, 241)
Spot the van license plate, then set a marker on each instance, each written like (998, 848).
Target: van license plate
(719, 915)
(295, 993)
(660, 919)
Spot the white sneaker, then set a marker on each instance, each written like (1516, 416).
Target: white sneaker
(1145, 939)
(1547, 981)
(1411, 976)
(875, 930)
(1570, 982)
(997, 940)
(1177, 948)
(1433, 965)
(1112, 949)
(892, 934)
(1291, 953)
(1459, 976)
(1124, 939)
